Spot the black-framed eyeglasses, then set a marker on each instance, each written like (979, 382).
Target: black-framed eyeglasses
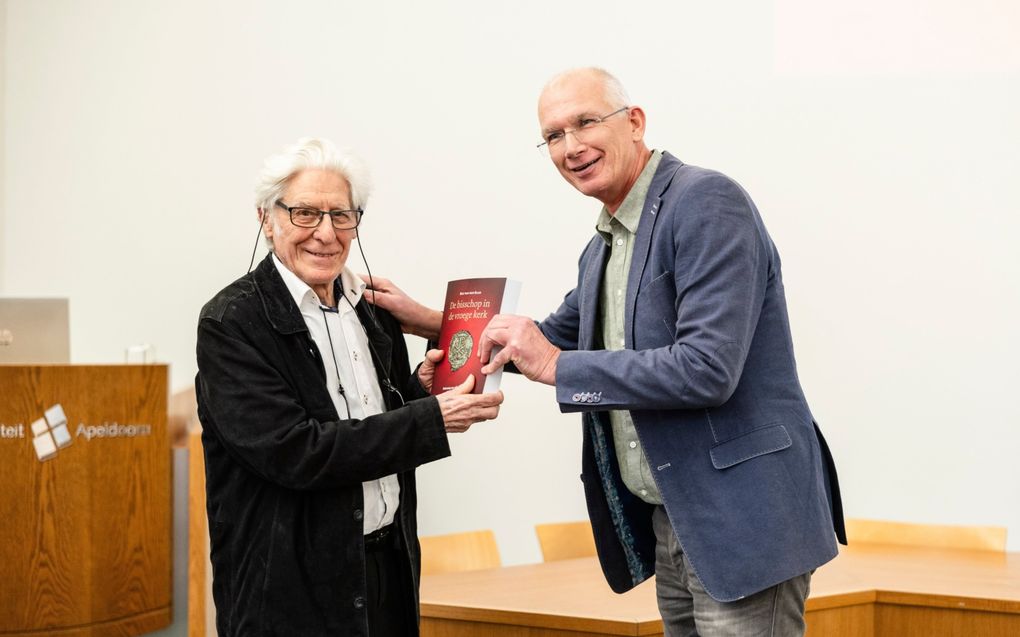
(304, 217)
(585, 125)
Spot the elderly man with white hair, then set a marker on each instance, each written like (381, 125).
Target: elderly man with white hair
(313, 423)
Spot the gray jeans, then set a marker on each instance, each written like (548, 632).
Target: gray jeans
(688, 611)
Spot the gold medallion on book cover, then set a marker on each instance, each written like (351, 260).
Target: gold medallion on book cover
(460, 349)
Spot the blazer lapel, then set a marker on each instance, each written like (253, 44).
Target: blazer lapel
(591, 286)
(667, 169)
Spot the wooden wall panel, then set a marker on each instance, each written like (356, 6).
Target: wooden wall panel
(198, 537)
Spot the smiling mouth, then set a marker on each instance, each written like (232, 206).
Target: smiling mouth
(584, 167)
(324, 255)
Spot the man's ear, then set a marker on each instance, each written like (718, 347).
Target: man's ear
(267, 223)
(637, 123)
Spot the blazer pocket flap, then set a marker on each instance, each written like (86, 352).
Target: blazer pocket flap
(750, 445)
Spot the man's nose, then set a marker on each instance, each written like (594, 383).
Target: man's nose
(325, 231)
(571, 144)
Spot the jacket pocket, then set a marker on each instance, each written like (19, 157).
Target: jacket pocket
(654, 310)
(759, 442)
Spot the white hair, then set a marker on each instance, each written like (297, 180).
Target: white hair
(613, 89)
(310, 153)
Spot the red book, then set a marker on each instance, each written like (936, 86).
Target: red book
(470, 305)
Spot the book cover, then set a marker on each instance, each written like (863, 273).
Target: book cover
(470, 305)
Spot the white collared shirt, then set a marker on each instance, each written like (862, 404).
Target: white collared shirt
(351, 353)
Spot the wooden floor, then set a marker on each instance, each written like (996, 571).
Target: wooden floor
(868, 591)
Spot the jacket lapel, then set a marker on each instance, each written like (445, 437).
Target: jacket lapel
(281, 311)
(667, 169)
(591, 286)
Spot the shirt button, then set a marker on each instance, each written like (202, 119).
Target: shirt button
(633, 445)
(619, 242)
(619, 292)
(359, 515)
(644, 491)
(359, 602)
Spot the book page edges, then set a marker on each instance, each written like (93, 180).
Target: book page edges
(511, 294)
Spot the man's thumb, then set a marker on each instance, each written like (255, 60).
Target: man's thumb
(466, 386)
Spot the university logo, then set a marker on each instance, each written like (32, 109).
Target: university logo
(50, 433)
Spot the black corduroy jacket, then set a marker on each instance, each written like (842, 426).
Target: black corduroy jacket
(284, 472)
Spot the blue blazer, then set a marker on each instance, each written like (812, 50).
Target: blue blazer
(709, 376)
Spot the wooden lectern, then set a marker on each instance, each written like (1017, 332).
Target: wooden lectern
(85, 500)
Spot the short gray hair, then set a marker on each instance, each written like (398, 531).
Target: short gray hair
(311, 153)
(615, 94)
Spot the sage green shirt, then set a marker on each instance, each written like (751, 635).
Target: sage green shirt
(620, 231)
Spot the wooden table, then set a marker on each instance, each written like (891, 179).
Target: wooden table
(868, 591)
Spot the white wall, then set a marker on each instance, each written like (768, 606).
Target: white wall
(880, 142)
(3, 128)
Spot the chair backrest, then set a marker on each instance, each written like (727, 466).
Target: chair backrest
(977, 538)
(565, 540)
(468, 551)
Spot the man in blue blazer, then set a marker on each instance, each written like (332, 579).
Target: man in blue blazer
(702, 463)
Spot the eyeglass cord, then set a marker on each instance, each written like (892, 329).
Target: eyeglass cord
(332, 351)
(386, 374)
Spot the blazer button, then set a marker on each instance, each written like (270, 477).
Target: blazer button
(576, 398)
(359, 602)
(359, 515)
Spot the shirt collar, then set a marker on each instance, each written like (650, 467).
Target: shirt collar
(628, 214)
(352, 287)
